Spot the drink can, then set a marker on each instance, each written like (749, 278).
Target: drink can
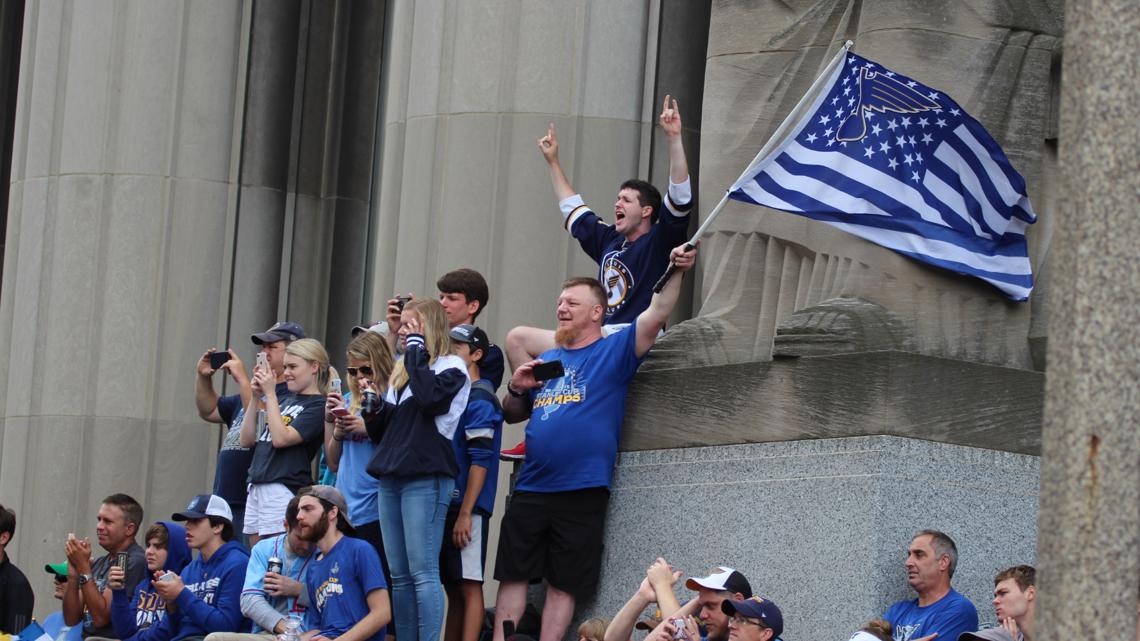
(274, 565)
(121, 560)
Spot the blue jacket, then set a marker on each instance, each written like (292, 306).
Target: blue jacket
(145, 607)
(211, 600)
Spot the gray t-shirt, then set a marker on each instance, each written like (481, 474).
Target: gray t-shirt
(136, 570)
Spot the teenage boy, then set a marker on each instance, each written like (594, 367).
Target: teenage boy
(463, 556)
(132, 614)
(463, 294)
(87, 597)
(347, 592)
(207, 596)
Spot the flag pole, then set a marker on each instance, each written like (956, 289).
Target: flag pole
(774, 140)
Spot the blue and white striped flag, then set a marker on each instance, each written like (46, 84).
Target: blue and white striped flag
(902, 165)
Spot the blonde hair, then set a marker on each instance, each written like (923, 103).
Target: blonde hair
(594, 628)
(311, 351)
(436, 340)
(370, 347)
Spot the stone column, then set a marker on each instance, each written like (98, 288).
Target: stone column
(1090, 469)
(118, 237)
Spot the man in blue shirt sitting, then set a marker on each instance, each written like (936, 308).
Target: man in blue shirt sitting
(939, 610)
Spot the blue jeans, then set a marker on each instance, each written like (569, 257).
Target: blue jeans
(412, 513)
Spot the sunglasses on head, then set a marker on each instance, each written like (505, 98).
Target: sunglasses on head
(356, 371)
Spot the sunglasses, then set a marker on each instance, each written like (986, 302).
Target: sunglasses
(356, 371)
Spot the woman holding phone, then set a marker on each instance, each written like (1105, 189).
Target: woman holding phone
(285, 433)
(425, 398)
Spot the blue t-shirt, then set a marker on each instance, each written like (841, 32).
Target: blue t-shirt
(572, 435)
(339, 583)
(949, 616)
(477, 442)
(352, 478)
(233, 459)
(294, 567)
(627, 270)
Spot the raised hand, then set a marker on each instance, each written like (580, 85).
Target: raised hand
(548, 145)
(670, 118)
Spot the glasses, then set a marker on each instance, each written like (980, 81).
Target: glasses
(739, 621)
(354, 371)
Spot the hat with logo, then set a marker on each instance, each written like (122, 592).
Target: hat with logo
(205, 505)
(724, 579)
(650, 622)
(283, 331)
(332, 495)
(380, 328)
(471, 335)
(756, 608)
(992, 634)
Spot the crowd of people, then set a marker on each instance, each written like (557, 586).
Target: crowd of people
(394, 531)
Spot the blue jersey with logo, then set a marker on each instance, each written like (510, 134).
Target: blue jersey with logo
(628, 270)
(572, 435)
(949, 616)
(477, 442)
(339, 583)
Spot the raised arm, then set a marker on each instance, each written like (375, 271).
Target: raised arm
(205, 398)
(671, 124)
(548, 145)
(653, 319)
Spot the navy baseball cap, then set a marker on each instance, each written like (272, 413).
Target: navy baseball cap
(757, 608)
(205, 505)
(471, 335)
(283, 331)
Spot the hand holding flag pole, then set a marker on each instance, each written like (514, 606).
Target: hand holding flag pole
(790, 120)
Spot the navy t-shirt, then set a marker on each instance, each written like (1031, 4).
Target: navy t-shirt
(339, 583)
(572, 435)
(291, 466)
(233, 459)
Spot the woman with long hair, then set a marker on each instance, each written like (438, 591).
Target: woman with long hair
(427, 393)
(347, 446)
(284, 433)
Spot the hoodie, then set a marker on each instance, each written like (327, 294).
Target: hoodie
(211, 600)
(136, 613)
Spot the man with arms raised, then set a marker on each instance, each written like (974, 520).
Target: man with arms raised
(554, 523)
(723, 584)
(348, 596)
(939, 610)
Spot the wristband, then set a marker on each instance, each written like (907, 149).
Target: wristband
(512, 392)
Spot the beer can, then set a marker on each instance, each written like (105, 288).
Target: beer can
(121, 560)
(274, 565)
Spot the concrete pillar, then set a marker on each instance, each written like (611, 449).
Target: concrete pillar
(1090, 468)
(117, 240)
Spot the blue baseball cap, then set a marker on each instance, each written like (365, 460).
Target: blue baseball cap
(283, 331)
(757, 608)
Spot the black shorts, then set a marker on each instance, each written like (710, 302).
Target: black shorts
(555, 536)
(468, 564)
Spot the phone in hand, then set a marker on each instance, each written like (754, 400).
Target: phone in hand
(548, 370)
(340, 412)
(679, 631)
(263, 361)
(401, 301)
(217, 359)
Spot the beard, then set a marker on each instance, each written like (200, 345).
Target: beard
(566, 336)
(316, 532)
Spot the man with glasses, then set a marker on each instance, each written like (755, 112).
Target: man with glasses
(754, 619)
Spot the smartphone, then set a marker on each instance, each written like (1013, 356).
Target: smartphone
(168, 576)
(217, 359)
(401, 301)
(678, 627)
(548, 370)
(334, 386)
(263, 361)
(340, 412)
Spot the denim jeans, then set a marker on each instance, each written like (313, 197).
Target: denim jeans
(412, 513)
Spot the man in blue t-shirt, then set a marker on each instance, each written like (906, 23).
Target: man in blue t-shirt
(631, 254)
(347, 593)
(938, 610)
(233, 459)
(553, 526)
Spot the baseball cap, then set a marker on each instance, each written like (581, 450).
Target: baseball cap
(650, 622)
(724, 579)
(757, 608)
(332, 495)
(992, 634)
(56, 569)
(205, 505)
(471, 335)
(380, 328)
(283, 331)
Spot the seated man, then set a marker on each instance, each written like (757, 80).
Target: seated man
(754, 619)
(939, 609)
(207, 596)
(554, 524)
(166, 551)
(347, 593)
(1015, 603)
(631, 255)
(16, 597)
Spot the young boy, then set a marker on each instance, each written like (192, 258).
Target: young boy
(166, 550)
(476, 445)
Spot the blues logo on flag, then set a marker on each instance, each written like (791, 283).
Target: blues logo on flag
(902, 165)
